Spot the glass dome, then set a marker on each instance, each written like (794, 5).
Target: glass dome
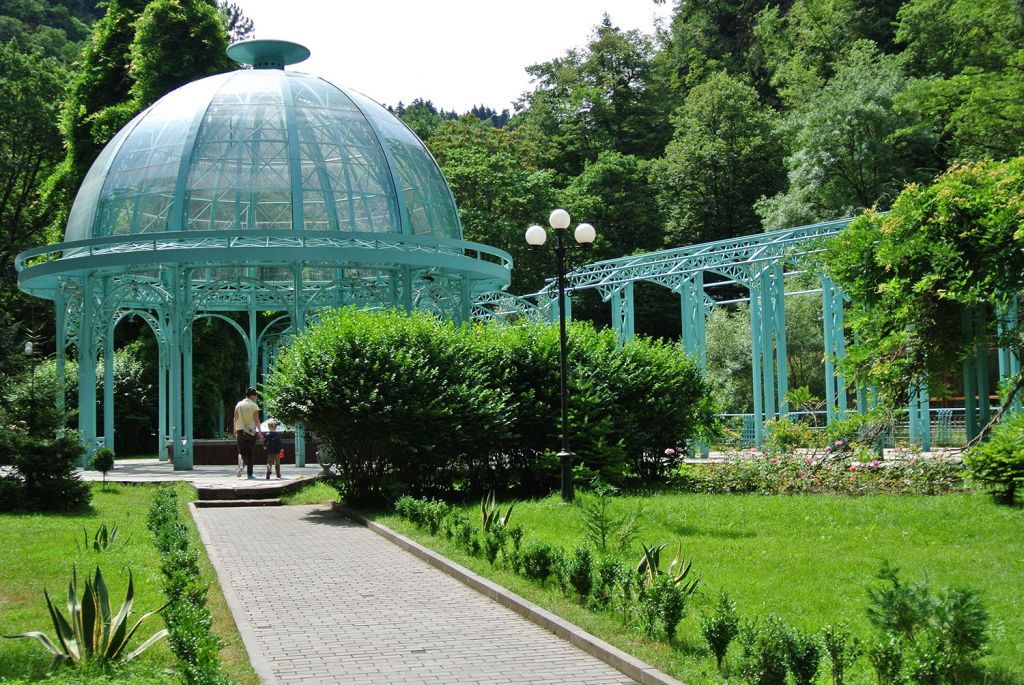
(264, 149)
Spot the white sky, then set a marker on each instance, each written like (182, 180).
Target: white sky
(457, 53)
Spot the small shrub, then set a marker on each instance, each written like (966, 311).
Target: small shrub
(609, 573)
(494, 542)
(765, 652)
(579, 572)
(721, 627)
(804, 656)
(999, 462)
(434, 513)
(842, 648)
(188, 619)
(538, 560)
(945, 634)
(599, 525)
(886, 657)
(102, 460)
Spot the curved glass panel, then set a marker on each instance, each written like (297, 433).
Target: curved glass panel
(239, 174)
(427, 198)
(346, 183)
(138, 190)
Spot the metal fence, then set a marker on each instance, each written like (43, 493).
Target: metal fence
(948, 427)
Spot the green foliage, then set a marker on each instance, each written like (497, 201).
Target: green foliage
(43, 460)
(999, 462)
(411, 403)
(189, 623)
(538, 560)
(945, 37)
(92, 632)
(158, 62)
(886, 657)
(944, 634)
(975, 114)
(725, 155)
(802, 46)
(765, 651)
(579, 571)
(721, 627)
(102, 460)
(930, 276)
(840, 161)
(502, 184)
(803, 655)
(601, 98)
(842, 648)
(829, 470)
(600, 526)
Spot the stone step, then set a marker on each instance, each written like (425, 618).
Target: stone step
(274, 502)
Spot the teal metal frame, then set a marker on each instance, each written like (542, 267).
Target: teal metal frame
(760, 263)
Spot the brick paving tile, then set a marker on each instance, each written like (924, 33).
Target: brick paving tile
(319, 599)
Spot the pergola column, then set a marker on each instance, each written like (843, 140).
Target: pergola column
(60, 353)
(623, 314)
(299, 325)
(770, 369)
(835, 349)
(694, 318)
(1009, 356)
(162, 361)
(175, 331)
(87, 370)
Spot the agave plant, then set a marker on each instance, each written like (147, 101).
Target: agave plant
(490, 512)
(103, 539)
(92, 632)
(678, 570)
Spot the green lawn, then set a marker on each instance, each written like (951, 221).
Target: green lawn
(807, 558)
(39, 551)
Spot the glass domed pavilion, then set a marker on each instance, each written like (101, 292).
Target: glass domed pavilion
(258, 190)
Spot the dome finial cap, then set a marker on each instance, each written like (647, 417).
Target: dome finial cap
(268, 54)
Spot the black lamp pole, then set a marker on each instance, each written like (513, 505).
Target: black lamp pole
(536, 237)
(566, 455)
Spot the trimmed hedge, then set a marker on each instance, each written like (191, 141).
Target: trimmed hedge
(408, 403)
(188, 619)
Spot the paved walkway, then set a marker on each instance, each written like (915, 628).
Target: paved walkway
(368, 612)
(221, 476)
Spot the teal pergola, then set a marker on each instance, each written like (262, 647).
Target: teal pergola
(259, 190)
(760, 263)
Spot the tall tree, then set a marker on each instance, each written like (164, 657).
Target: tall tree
(841, 159)
(30, 147)
(943, 37)
(600, 98)
(158, 62)
(725, 154)
(614, 193)
(975, 115)
(802, 46)
(501, 188)
(706, 36)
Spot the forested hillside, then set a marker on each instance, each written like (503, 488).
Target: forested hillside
(739, 116)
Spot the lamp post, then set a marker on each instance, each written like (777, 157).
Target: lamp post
(536, 236)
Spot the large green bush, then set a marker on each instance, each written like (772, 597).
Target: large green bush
(410, 403)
